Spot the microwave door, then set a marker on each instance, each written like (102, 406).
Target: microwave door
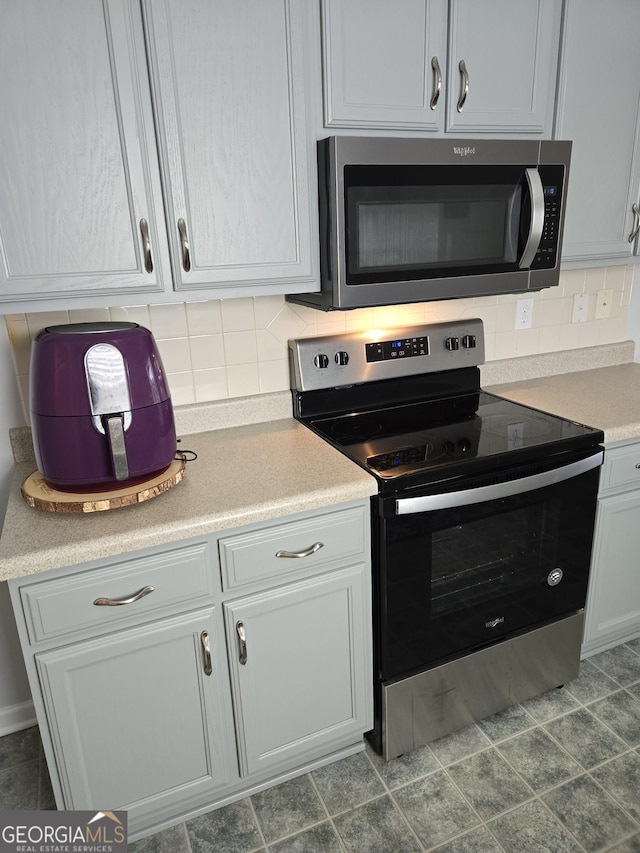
(536, 223)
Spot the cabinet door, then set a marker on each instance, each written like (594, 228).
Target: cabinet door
(598, 108)
(136, 722)
(78, 171)
(229, 81)
(613, 601)
(300, 668)
(510, 51)
(383, 63)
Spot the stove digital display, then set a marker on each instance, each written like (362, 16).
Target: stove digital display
(403, 348)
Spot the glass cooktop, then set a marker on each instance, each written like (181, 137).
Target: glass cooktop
(423, 436)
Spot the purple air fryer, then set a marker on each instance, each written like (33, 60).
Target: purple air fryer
(101, 411)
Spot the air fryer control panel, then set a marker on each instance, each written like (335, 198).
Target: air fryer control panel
(334, 360)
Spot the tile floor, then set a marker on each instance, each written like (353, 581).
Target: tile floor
(559, 773)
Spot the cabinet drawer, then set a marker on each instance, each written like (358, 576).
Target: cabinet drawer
(621, 468)
(262, 554)
(180, 578)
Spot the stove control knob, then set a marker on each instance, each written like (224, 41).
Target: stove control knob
(321, 360)
(469, 341)
(452, 344)
(342, 357)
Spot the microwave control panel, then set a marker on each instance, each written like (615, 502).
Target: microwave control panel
(552, 182)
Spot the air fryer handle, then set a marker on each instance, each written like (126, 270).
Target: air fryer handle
(114, 431)
(536, 194)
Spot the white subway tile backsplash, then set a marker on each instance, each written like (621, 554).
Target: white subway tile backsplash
(204, 318)
(273, 375)
(214, 349)
(175, 354)
(89, 315)
(210, 384)
(237, 315)
(169, 321)
(270, 348)
(243, 380)
(240, 347)
(132, 314)
(207, 351)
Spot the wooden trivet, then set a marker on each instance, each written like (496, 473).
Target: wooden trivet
(41, 495)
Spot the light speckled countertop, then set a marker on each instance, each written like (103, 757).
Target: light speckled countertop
(256, 463)
(243, 474)
(607, 398)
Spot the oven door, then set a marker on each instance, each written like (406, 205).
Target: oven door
(463, 569)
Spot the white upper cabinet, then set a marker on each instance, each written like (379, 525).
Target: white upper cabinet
(395, 66)
(79, 184)
(229, 95)
(598, 108)
(377, 63)
(93, 151)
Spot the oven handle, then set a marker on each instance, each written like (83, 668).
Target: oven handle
(450, 500)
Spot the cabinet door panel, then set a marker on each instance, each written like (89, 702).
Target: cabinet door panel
(77, 166)
(307, 678)
(511, 55)
(598, 108)
(377, 63)
(229, 84)
(133, 718)
(613, 601)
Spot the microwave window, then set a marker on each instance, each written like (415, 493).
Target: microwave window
(415, 228)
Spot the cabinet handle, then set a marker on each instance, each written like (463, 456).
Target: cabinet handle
(206, 652)
(637, 464)
(242, 637)
(464, 84)
(184, 243)
(437, 83)
(114, 602)
(636, 223)
(146, 245)
(309, 551)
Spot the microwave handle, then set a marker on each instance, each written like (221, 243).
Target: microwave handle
(495, 491)
(536, 193)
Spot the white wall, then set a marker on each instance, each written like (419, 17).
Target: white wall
(15, 697)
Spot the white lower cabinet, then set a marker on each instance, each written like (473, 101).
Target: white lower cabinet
(613, 601)
(169, 681)
(297, 667)
(135, 718)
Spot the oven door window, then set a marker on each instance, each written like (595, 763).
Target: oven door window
(455, 580)
(407, 223)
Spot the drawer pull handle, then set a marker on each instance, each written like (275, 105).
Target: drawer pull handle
(206, 652)
(115, 602)
(242, 637)
(637, 464)
(309, 551)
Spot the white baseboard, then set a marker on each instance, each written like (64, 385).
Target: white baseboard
(13, 718)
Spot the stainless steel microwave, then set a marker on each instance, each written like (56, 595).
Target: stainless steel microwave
(412, 220)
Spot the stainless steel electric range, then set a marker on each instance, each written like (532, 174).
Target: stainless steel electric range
(482, 526)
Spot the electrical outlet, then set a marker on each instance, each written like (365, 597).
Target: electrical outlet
(524, 313)
(603, 304)
(580, 303)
